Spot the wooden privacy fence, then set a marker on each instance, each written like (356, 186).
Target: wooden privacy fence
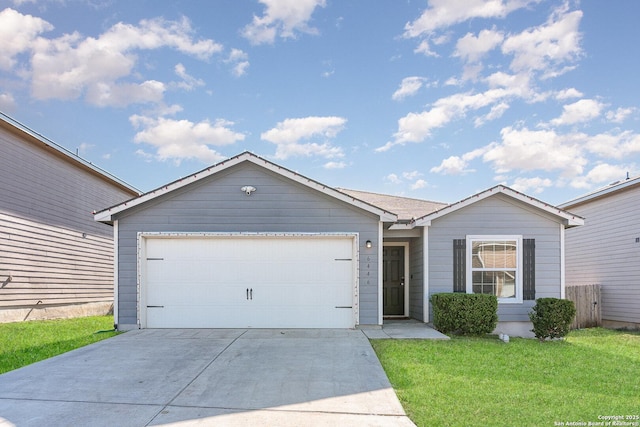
(587, 301)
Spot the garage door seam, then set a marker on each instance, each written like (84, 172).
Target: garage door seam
(196, 377)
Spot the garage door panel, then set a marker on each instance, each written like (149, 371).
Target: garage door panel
(293, 282)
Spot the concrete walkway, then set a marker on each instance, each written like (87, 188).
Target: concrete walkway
(207, 377)
(403, 329)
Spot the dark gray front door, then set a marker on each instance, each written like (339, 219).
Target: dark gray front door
(393, 280)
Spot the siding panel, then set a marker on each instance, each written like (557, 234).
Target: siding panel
(52, 265)
(605, 251)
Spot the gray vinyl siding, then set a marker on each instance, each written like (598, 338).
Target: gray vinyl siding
(498, 215)
(216, 204)
(51, 265)
(416, 288)
(46, 205)
(604, 251)
(43, 186)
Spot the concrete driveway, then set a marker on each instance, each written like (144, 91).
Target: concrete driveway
(204, 377)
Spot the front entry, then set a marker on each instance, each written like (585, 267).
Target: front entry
(393, 281)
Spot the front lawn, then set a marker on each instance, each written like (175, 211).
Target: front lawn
(594, 373)
(23, 343)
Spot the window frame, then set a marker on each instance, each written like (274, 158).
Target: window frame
(470, 239)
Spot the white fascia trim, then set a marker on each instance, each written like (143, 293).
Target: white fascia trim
(562, 264)
(116, 313)
(600, 193)
(355, 296)
(140, 276)
(425, 274)
(380, 284)
(107, 214)
(571, 220)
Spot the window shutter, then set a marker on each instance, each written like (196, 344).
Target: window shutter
(529, 269)
(459, 265)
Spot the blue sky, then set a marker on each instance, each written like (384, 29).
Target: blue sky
(433, 99)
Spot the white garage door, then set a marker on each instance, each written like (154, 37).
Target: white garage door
(256, 281)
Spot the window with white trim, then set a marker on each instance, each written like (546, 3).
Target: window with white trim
(494, 267)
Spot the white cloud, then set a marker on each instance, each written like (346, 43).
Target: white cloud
(568, 94)
(288, 134)
(188, 82)
(239, 60)
(425, 49)
(613, 146)
(84, 148)
(443, 13)
(408, 87)
(7, 102)
(527, 150)
(546, 150)
(182, 139)
(531, 185)
(416, 127)
(283, 18)
(71, 65)
(335, 165)
(415, 182)
(453, 165)
(456, 165)
(421, 183)
(472, 48)
(619, 115)
(411, 175)
(603, 173)
(120, 95)
(546, 47)
(495, 113)
(393, 178)
(578, 112)
(17, 35)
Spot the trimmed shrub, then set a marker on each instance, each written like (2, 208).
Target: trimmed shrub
(551, 317)
(465, 314)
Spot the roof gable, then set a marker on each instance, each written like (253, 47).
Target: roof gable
(567, 218)
(107, 214)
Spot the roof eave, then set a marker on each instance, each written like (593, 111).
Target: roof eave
(614, 188)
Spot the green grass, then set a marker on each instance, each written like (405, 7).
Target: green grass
(23, 343)
(485, 382)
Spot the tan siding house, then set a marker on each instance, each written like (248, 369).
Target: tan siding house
(55, 260)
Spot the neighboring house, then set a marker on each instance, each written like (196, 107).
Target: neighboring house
(248, 243)
(606, 251)
(55, 260)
